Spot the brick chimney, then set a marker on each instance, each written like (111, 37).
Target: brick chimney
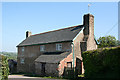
(89, 39)
(28, 34)
(89, 25)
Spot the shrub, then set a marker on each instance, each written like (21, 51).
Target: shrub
(4, 68)
(102, 63)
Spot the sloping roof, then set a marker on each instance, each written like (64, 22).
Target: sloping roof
(65, 34)
(54, 58)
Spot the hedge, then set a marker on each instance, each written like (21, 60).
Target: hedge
(102, 63)
(4, 68)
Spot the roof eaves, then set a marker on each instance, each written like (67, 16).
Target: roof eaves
(44, 43)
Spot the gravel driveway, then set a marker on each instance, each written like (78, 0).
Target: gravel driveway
(21, 77)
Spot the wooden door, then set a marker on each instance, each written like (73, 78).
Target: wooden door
(43, 69)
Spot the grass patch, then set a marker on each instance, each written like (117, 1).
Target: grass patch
(82, 75)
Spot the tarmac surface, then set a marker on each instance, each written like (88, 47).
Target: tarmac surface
(22, 77)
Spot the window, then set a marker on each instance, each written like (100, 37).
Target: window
(69, 64)
(58, 47)
(42, 48)
(22, 60)
(23, 49)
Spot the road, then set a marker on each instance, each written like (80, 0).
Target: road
(22, 77)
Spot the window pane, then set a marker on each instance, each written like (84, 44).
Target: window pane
(22, 60)
(23, 49)
(42, 48)
(58, 47)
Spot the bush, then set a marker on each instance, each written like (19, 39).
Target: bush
(102, 63)
(4, 68)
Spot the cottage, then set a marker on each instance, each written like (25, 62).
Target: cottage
(51, 52)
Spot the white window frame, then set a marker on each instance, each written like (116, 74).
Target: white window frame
(42, 47)
(22, 60)
(23, 49)
(58, 47)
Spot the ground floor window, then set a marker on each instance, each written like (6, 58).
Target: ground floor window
(22, 60)
(69, 64)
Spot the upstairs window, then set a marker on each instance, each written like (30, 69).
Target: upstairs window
(42, 48)
(23, 49)
(58, 47)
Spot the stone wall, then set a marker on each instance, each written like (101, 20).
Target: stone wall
(51, 69)
(38, 68)
(32, 52)
(77, 51)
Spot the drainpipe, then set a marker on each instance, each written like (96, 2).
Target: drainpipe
(73, 55)
(73, 60)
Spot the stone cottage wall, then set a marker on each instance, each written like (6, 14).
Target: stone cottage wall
(77, 51)
(51, 69)
(33, 52)
(38, 68)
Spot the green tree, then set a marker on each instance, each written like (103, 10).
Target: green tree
(107, 41)
(118, 43)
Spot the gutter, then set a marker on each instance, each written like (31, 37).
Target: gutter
(44, 43)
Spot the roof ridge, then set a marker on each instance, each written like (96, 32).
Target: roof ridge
(55, 30)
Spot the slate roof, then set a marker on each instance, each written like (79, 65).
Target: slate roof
(65, 34)
(52, 58)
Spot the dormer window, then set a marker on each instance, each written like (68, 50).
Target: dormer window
(58, 47)
(23, 49)
(42, 48)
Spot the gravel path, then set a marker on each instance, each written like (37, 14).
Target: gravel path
(22, 77)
